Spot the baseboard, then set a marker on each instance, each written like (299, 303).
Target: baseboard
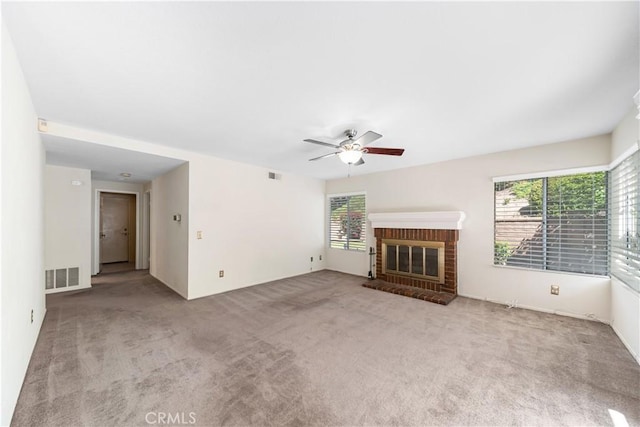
(254, 284)
(168, 286)
(635, 355)
(67, 289)
(540, 309)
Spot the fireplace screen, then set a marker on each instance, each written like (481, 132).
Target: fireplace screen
(424, 260)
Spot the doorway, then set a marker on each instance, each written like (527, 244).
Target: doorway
(117, 232)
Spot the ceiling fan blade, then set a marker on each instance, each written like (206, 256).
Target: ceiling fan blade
(367, 138)
(359, 162)
(314, 141)
(386, 151)
(322, 157)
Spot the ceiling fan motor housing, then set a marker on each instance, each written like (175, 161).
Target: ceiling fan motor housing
(351, 133)
(348, 144)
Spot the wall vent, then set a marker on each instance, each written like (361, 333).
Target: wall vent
(49, 280)
(61, 278)
(73, 277)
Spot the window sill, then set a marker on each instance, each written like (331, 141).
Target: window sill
(626, 286)
(362, 251)
(533, 270)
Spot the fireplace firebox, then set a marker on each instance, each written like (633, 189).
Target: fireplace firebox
(413, 258)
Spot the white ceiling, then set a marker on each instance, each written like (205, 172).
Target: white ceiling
(106, 163)
(249, 81)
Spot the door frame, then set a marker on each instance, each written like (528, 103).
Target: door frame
(145, 263)
(96, 235)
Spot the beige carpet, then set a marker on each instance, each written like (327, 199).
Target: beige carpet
(116, 267)
(317, 349)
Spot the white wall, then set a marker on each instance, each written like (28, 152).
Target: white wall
(254, 228)
(284, 219)
(67, 227)
(169, 238)
(625, 303)
(625, 316)
(466, 185)
(625, 135)
(22, 262)
(127, 187)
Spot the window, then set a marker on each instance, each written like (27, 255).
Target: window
(625, 221)
(347, 222)
(558, 223)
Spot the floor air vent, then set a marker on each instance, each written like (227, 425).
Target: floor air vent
(61, 278)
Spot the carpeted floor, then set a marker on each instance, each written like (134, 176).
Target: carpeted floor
(116, 267)
(317, 349)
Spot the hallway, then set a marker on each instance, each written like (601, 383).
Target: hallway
(115, 267)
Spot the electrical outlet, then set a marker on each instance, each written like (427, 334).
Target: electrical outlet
(31, 315)
(555, 289)
(221, 273)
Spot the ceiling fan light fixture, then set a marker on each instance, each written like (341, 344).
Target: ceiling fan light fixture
(350, 156)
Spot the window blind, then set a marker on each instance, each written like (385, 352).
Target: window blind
(347, 222)
(519, 224)
(625, 221)
(558, 223)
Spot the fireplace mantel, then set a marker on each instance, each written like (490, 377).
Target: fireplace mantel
(450, 220)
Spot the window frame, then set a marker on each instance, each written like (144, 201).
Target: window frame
(365, 221)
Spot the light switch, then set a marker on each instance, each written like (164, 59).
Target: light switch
(198, 234)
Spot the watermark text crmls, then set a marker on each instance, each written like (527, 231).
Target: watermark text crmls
(170, 418)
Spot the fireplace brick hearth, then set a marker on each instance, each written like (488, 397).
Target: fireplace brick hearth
(388, 228)
(410, 291)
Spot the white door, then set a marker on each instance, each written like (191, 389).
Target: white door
(114, 228)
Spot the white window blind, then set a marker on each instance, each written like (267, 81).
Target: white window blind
(558, 223)
(625, 221)
(347, 222)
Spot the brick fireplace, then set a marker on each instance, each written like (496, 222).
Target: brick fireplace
(416, 254)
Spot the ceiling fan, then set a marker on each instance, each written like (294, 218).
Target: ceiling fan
(350, 150)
